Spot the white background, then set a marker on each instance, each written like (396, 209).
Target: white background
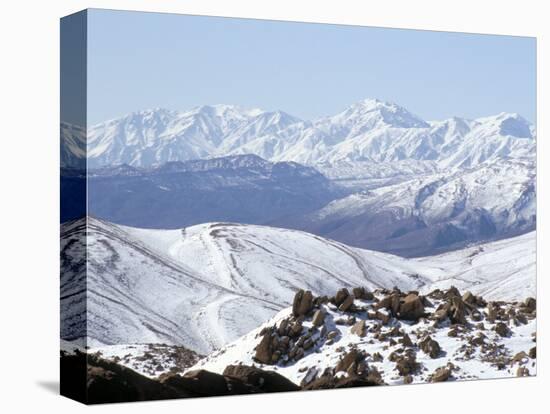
(29, 85)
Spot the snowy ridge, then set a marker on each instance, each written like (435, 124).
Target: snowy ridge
(445, 210)
(189, 287)
(369, 130)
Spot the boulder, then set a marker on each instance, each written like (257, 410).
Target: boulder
(359, 329)
(457, 310)
(440, 315)
(390, 302)
(358, 292)
(263, 381)
(520, 358)
(328, 381)
(283, 328)
(346, 304)
(469, 298)
(533, 352)
(383, 317)
(303, 303)
(411, 308)
(362, 293)
(406, 364)
(318, 317)
(502, 329)
(351, 357)
(430, 347)
(492, 312)
(295, 329)
(522, 372)
(199, 382)
(452, 292)
(341, 295)
(264, 350)
(441, 374)
(377, 357)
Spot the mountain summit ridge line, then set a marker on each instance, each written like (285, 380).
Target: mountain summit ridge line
(369, 130)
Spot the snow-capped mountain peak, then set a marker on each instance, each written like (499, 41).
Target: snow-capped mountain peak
(369, 130)
(373, 113)
(507, 124)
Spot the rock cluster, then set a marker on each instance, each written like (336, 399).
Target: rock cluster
(287, 342)
(106, 381)
(403, 306)
(290, 340)
(405, 328)
(351, 371)
(236, 379)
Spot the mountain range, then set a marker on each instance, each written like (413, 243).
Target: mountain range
(369, 130)
(244, 188)
(431, 213)
(374, 176)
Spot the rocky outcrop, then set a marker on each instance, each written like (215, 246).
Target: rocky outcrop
(340, 296)
(362, 293)
(355, 370)
(406, 363)
(318, 317)
(236, 379)
(346, 304)
(261, 380)
(303, 303)
(430, 347)
(411, 308)
(441, 374)
(326, 382)
(401, 328)
(91, 379)
(199, 383)
(264, 350)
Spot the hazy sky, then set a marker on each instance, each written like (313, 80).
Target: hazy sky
(146, 60)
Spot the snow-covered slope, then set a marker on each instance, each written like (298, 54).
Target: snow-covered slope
(190, 287)
(207, 285)
(433, 212)
(505, 269)
(135, 294)
(369, 130)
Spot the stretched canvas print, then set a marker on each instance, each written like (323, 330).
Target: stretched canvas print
(253, 206)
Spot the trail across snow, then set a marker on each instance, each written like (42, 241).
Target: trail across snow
(207, 285)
